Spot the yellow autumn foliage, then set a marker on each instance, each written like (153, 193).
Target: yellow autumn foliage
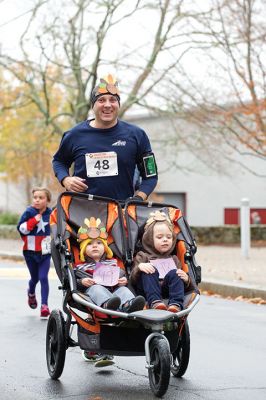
(27, 140)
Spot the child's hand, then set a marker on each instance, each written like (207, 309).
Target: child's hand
(87, 282)
(183, 275)
(38, 217)
(148, 268)
(122, 281)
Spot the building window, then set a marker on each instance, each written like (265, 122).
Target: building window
(175, 199)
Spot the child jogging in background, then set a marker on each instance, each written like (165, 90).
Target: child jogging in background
(34, 229)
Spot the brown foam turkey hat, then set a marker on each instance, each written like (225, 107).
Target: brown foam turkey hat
(92, 230)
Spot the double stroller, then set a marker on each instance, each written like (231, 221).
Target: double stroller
(162, 336)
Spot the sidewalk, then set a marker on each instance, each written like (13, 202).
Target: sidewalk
(224, 270)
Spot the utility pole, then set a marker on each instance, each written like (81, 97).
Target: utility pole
(245, 227)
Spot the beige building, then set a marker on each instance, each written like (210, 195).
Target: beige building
(204, 178)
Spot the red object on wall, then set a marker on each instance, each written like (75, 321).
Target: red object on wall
(262, 215)
(232, 215)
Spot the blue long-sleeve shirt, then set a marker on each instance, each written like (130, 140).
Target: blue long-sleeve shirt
(124, 144)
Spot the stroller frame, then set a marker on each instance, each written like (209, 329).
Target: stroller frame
(164, 336)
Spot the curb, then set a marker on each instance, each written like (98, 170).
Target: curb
(14, 256)
(227, 289)
(11, 256)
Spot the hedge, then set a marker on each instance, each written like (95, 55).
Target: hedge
(229, 234)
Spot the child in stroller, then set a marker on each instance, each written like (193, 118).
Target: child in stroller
(156, 272)
(99, 274)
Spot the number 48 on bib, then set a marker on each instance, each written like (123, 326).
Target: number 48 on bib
(101, 164)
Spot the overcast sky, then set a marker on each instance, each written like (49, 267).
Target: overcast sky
(13, 16)
(134, 33)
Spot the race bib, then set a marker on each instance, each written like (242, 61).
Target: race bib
(163, 265)
(46, 245)
(101, 164)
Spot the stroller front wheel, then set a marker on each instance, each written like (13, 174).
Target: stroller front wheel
(159, 374)
(55, 344)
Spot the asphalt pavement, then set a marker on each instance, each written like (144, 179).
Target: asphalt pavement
(226, 362)
(225, 271)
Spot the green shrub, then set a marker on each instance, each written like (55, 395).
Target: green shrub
(9, 232)
(8, 218)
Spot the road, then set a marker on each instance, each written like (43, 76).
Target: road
(228, 355)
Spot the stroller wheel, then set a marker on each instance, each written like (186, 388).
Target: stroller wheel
(159, 374)
(181, 354)
(55, 344)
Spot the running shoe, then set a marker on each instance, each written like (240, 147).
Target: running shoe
(45, 312)
(91, 356)
(32, 302)
(105, 361)
(100, 360)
